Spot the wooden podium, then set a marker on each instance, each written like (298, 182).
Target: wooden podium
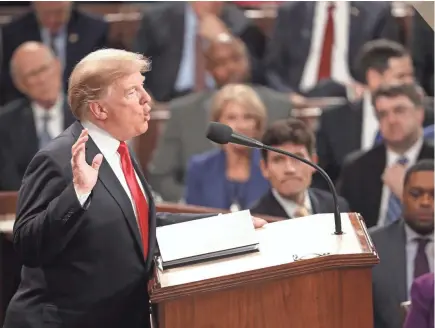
(303, 276)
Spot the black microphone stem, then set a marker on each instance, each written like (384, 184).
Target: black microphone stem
(337, 218)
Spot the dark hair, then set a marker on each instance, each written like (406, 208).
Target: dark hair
(420, 166)
(289, 130)
(376, 54)
(409, 90)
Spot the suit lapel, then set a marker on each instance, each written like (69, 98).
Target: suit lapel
(357, 18)
(397, 256)
(273, 207)
(427, 151)
(68, 117)
(316, 205)
(152, 222)
(110, 181)
(374, 187)
(28, 138)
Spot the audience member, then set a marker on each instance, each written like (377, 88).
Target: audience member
(29, 123)
(290, 194)
(353, 126)
(372, 181)
(306, 32)
(230, 177)
(422, 47)
(176, 49)
(405, 247)
(421, 313)
(184, 134)
(70, 33)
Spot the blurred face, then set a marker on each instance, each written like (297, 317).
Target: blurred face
(400, 70)
(289, 177)
(39, 76)
(52, 14)
(400, 121)
(418, 202)
(241, 120)
(227, 63)
(125, 111)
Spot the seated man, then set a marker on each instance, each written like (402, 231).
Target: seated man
(291, 195)
(29, 123)
(70, 33)
(405, 247)
(372, 181)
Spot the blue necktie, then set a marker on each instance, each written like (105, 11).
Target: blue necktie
(378, 138)
(44, 135)
(394, 205)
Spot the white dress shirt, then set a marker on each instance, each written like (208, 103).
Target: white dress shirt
(339, 56)
(411, 154)
(290, 206)
(56, 122)
(109, 149)
(370, 124)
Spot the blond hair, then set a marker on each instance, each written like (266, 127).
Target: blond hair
(244, 96)
(94, 74)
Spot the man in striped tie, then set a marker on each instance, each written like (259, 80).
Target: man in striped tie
(86, 219)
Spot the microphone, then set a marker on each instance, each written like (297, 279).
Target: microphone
(223, 134)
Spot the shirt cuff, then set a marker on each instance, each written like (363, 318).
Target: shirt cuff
(82, 198)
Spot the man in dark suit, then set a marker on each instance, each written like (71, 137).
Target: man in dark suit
(59, 25)
(372, 181)
(29, 123)
(177, 62)
(353, 126)
(300, 52)
(422, 46)
(290, 179)
(183, 137)
(405, 247)
(70, 213)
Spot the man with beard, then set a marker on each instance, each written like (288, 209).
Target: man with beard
(405, 247)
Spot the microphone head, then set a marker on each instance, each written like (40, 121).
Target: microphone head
(219, 133)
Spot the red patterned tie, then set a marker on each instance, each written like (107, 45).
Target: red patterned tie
(328, 42)
(136, 192)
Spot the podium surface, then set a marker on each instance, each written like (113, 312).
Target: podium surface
(303, 276)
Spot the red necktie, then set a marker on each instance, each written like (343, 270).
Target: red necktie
(328, 42)
(139, 199)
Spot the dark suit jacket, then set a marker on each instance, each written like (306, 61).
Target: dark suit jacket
(185, 136)
(361, 184)
(421, 313)
(163, 42)
(289, 46)
(339, 134)
(422, 46)
(83, 266)
(389, 276)
(19, 141)
(92, 34)
(321, 201)
(206, 183)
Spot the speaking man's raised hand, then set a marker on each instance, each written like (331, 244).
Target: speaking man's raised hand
(84, 175)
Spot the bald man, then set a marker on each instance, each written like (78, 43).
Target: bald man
(27, 124)
(71, 34)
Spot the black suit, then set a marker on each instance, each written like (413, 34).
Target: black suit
(19, 141)
(164, 43)
(423, 52)
(361, 184)
(83, 266)
(339, 134)
(90, 33)
(289, 46)
(321, 202)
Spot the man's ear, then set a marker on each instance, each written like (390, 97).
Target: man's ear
(98, 111)
(264, 169)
